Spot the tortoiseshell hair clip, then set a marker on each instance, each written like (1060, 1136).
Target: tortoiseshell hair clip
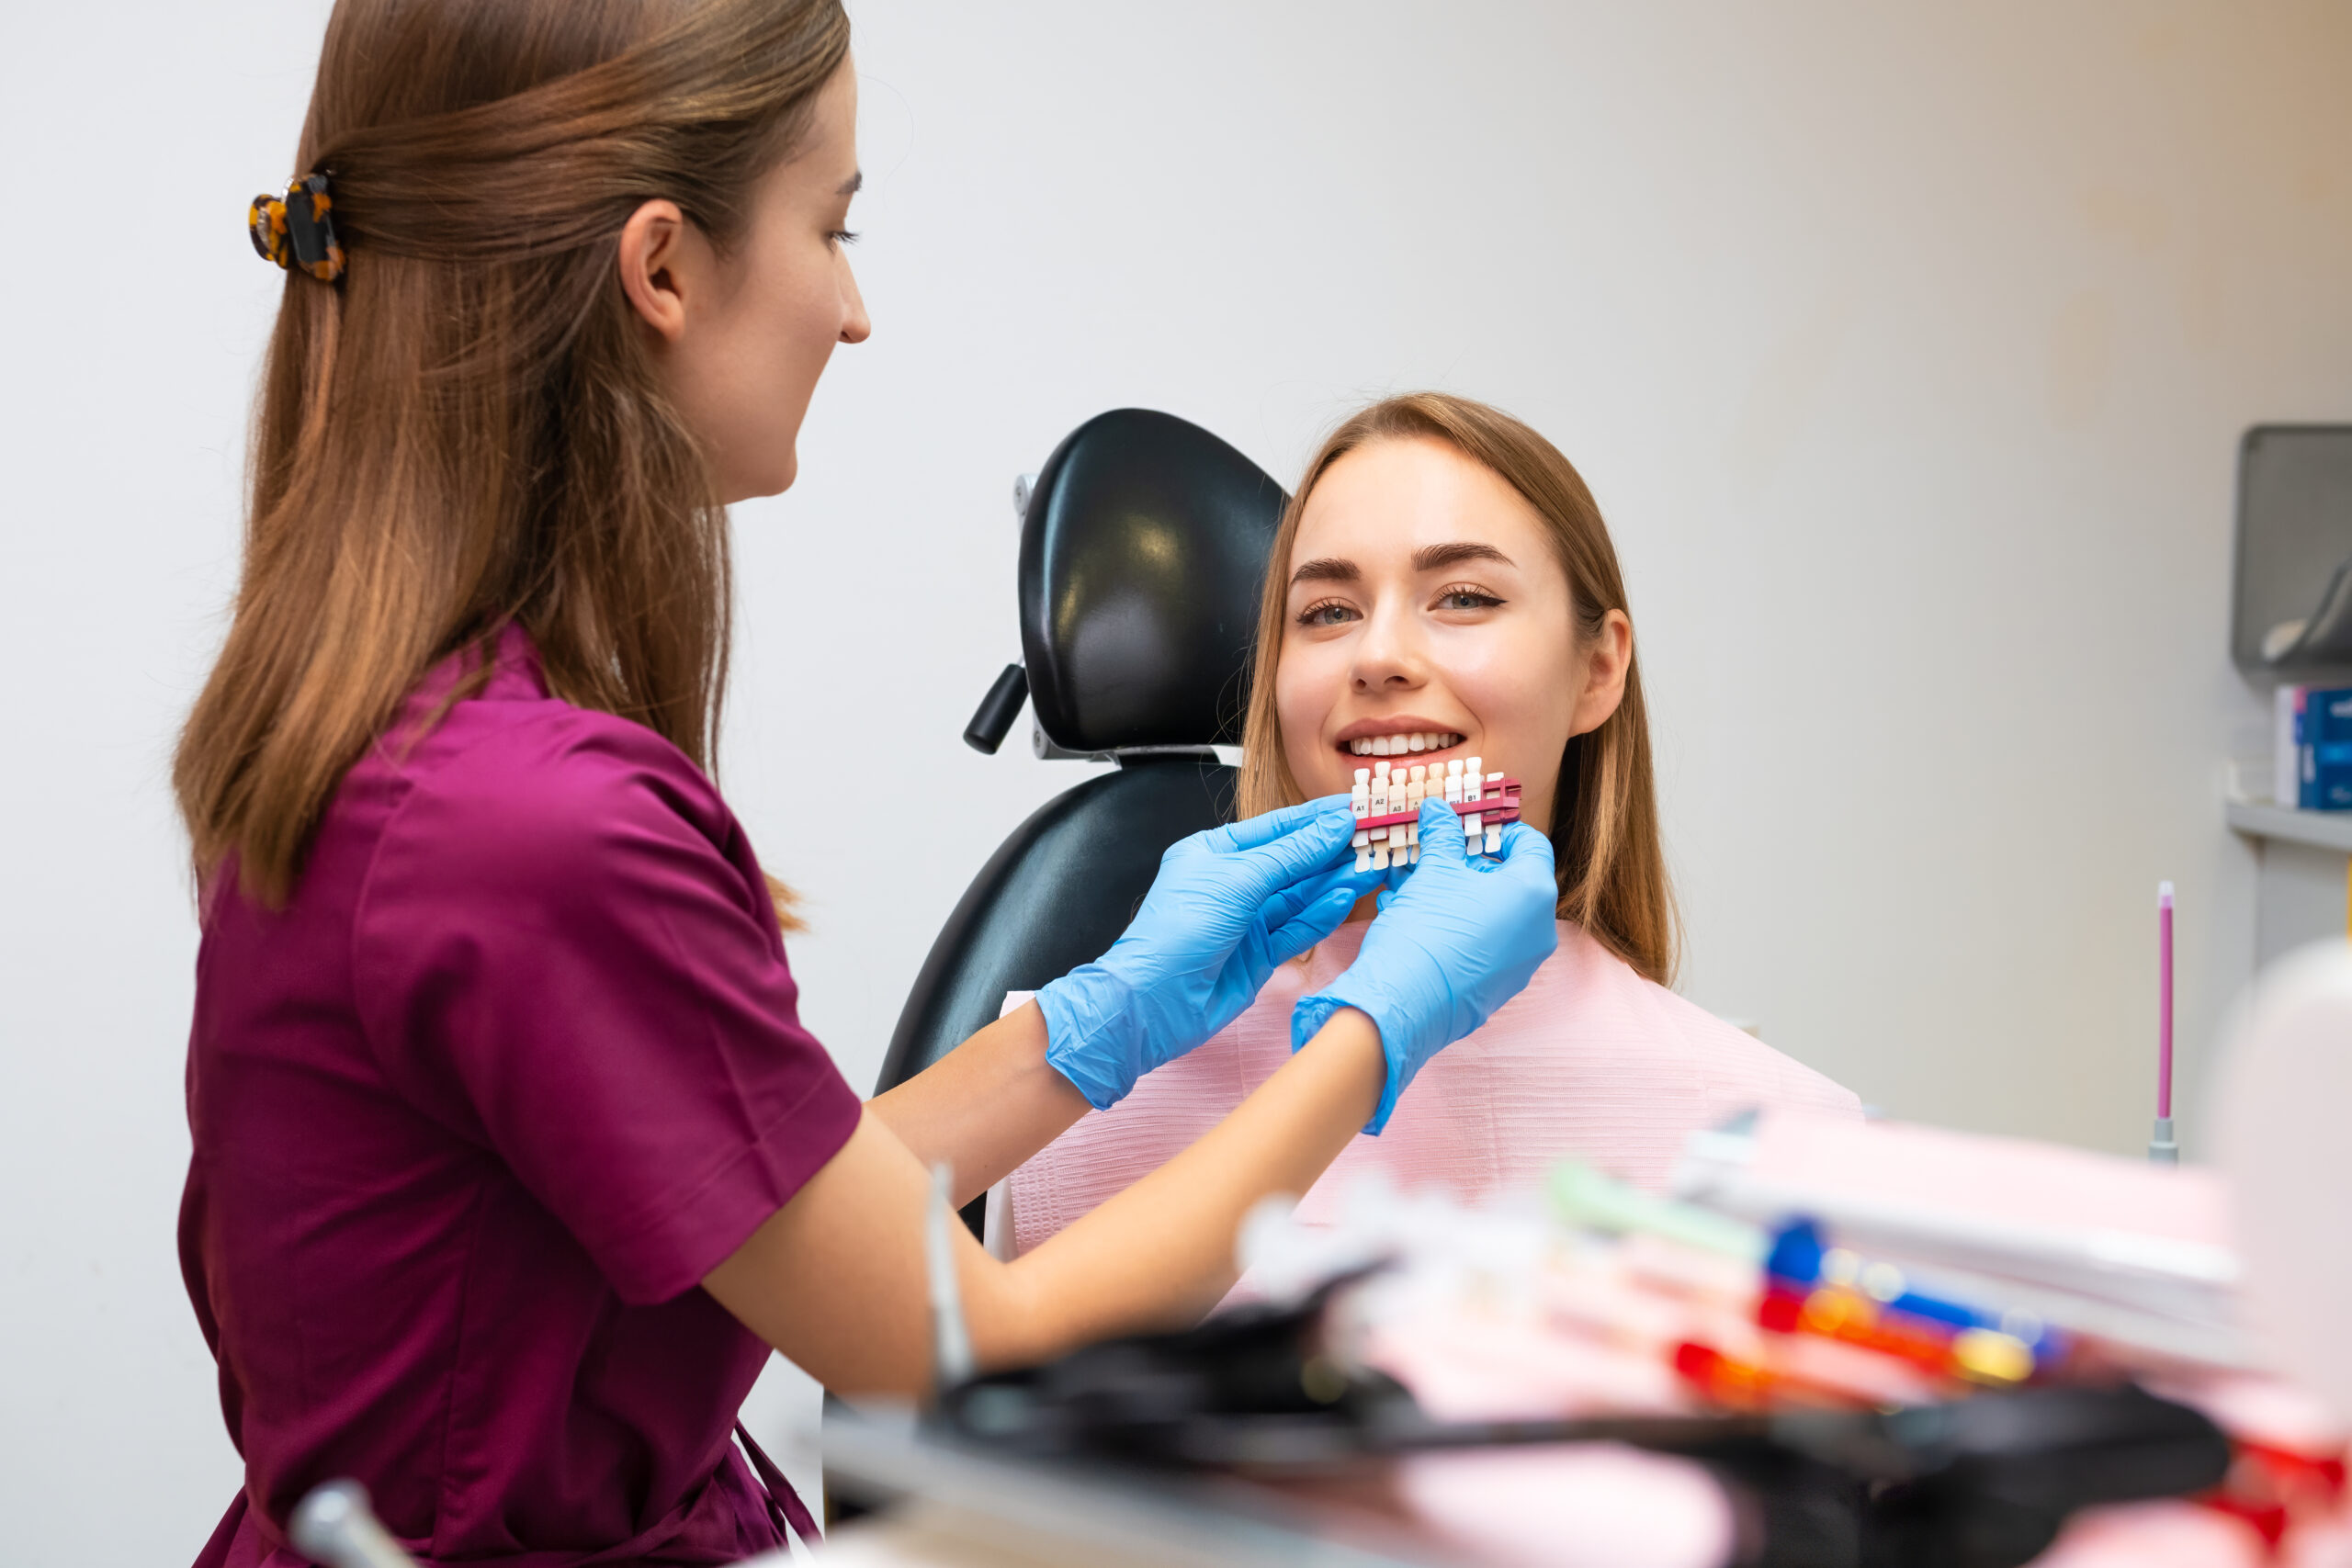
(296, 230)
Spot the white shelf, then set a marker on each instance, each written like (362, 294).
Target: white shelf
(2319, 829)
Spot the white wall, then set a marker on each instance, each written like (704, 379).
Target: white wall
(1906, 353)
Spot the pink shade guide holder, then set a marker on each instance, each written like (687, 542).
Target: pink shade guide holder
(1500, 806)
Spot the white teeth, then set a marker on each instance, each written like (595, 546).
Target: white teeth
(1399, 745)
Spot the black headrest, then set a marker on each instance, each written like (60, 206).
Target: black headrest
(1142, 556)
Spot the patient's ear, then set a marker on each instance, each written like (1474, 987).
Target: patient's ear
(654, 242)
(1605, 663)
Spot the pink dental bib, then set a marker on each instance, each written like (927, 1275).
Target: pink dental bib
(1589, 1060)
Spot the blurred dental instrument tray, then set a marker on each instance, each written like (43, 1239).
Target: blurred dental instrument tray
(2292, 613)
(1253, 1395)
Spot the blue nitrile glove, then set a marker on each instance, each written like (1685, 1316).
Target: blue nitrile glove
(1228, 907)
(1456, 941)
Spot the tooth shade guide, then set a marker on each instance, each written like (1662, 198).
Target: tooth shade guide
(1484, 814)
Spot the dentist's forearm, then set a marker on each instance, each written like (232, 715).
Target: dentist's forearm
(1157, 1256)
(1161, 1254)
(986, 1106)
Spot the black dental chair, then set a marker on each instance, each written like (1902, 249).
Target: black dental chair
(1143, 552)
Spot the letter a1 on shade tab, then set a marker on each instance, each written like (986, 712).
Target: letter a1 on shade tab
(1387, 805)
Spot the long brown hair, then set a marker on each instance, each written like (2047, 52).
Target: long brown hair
(467, 430)
(1605, 831)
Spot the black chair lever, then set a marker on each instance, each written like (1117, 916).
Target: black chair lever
(997, 711)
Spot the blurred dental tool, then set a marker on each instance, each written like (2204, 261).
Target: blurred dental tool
(2100, 1244)
(1809, 1281)
(2162, 1149)
(333, 1525)
(1584, 1196)
(951, 1340)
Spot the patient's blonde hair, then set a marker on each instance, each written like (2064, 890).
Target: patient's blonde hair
(1605, 832)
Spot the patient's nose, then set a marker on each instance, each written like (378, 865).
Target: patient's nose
(1387, 655)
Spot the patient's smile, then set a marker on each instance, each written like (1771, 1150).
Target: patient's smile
(1416, 742)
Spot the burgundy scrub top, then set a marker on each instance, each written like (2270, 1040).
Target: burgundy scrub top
(517, 1064)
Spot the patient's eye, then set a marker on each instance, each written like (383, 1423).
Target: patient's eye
(1463, 597)
(1327, 613)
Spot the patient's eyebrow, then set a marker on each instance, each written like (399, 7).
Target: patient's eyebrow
(1431, 558)
(852, 185)
(1325, 569)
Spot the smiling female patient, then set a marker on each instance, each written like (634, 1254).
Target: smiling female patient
(1443, 587)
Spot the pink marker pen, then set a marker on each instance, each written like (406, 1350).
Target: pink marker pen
(2162, 1149)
